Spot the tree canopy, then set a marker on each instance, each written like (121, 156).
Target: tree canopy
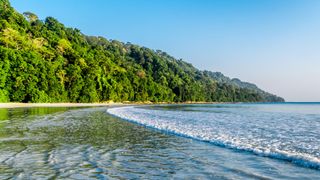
(31, 17)
(44, 61)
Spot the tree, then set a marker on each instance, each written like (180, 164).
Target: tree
(30, 16)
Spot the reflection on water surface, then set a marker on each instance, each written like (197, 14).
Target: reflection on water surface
(90, 144)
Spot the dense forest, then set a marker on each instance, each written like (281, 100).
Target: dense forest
(44, 61)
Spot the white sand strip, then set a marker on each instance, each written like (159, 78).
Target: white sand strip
(21, 105)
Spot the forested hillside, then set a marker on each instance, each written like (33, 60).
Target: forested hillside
(44, 61)
(220, 78)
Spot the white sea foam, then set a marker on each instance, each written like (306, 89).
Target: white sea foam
(284, 135)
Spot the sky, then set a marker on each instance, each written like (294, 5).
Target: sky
(272, 43)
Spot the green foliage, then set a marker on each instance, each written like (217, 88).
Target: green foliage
(265, 96)
(4, 97)
(30, 16)
(44, 61)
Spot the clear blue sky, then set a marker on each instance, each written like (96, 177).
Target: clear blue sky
(273, 43)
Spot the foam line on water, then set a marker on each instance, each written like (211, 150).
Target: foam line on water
(164, 121)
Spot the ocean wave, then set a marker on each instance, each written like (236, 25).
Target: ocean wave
(214, 130)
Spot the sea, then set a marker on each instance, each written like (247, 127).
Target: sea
(200, 141)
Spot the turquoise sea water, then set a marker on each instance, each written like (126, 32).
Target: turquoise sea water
(230, 141)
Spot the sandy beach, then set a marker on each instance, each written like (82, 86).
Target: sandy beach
(23, 105)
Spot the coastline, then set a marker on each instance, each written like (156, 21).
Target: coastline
(107, 104)
(27, 105)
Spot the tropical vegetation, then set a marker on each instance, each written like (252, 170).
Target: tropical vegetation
(44, 61)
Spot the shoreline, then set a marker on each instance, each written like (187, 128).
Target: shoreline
(107, 104)
(29, 105)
